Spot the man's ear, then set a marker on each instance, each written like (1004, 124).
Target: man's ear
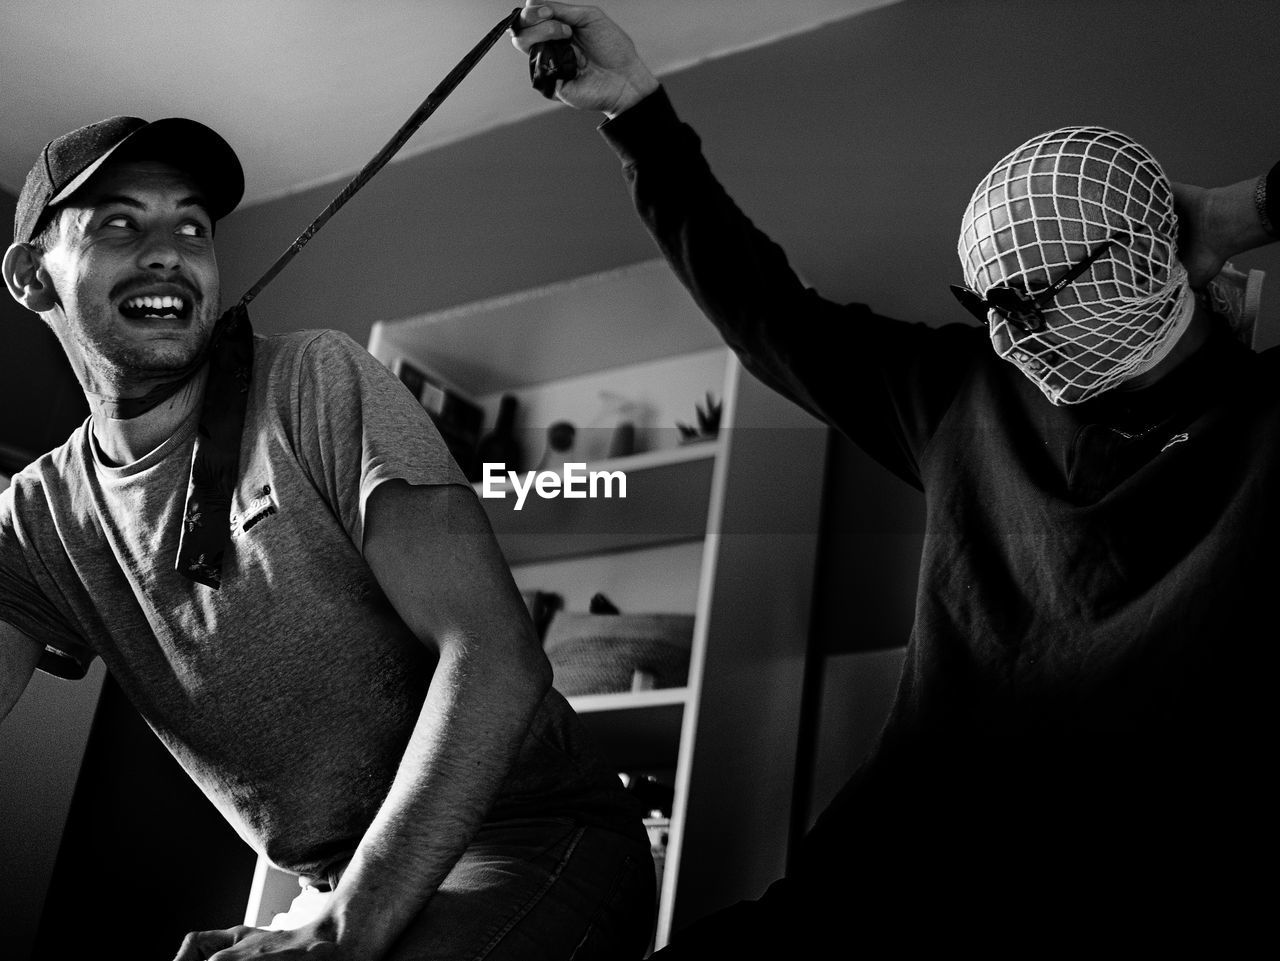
(26, 278)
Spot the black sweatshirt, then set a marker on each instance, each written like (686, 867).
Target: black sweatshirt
(1086, 701)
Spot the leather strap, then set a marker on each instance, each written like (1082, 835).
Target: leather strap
(215, 460)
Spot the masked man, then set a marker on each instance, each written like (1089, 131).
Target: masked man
(1077, 745)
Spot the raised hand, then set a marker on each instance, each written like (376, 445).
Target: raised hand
(1215, 224)
(611, 76)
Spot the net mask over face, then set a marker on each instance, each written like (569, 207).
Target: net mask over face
(1068, 196)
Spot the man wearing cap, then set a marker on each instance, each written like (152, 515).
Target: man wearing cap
(1079, 749)
(268, 545)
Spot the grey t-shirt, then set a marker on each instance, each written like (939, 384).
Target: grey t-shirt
(289, 694)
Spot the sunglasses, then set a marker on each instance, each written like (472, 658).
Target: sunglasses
(1022, 309)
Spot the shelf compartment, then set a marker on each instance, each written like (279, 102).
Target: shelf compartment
(635, 729)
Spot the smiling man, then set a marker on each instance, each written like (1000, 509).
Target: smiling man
(93, 249)
(1075, 762)
(324, 633)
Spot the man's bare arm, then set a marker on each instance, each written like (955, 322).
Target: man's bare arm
(435, 557)
(18, 657)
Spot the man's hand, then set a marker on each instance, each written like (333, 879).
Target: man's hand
(311, 942)
(1214, 225)
(611, 75)
(1199, 249)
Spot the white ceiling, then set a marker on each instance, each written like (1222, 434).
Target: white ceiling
(308, 90)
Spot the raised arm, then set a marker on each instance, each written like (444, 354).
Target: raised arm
(786, 334)
(18, 657)
(740, 278)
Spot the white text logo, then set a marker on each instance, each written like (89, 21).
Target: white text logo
(575, 482)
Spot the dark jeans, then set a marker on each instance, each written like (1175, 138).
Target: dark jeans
(539, 889)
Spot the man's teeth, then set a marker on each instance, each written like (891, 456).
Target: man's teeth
(156, 304)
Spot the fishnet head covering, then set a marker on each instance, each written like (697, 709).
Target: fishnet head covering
(1043, 209)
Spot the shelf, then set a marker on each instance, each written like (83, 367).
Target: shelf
(629, 700)
(668, 493)
(626, 316)
(639, 729)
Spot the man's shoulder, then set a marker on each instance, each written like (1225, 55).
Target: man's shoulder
(50, 487)
(273, 350)
(283, 361)
(300, 373)
(57, 467)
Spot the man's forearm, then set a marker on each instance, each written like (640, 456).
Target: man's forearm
(470, 729)
(434, 555)
(1217, 223)
(468, 734)
(1239, 214)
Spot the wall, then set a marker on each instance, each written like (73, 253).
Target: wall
(40, 400)
(856, 146)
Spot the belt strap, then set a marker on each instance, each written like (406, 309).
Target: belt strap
(215, 460)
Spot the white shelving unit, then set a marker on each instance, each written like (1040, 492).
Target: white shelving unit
(725, 530)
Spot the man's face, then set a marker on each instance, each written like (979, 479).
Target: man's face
(1085, 331)
(134, 274)
(1026, 231)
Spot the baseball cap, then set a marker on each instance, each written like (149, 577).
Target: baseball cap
(66, 164)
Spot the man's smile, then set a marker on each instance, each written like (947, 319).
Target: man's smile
(164, 302)
(139, 307)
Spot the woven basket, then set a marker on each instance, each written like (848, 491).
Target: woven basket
(599, 653)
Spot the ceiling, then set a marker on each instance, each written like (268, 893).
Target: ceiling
(308, 90)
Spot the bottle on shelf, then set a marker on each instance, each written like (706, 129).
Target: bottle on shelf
(500, 445)
(619, 416)
(561, 437)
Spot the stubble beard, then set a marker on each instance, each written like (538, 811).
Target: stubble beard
(118, 365)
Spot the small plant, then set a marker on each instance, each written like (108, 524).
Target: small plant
(708, 422)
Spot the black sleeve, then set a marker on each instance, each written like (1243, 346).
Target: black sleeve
(883, 383)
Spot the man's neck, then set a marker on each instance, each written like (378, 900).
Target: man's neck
(125, 440)
(1199, 327)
